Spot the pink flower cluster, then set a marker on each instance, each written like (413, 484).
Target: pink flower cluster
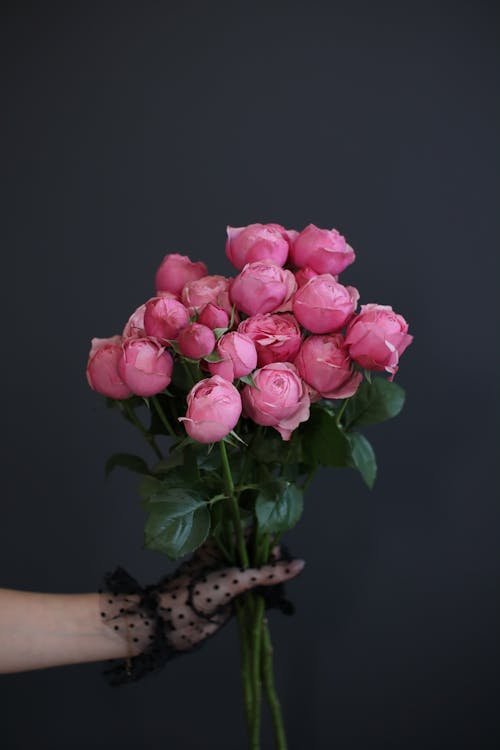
(284, 319)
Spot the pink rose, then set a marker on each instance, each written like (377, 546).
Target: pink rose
(280, 400)
(257, 242)
(175, 271)
(145, 366)
(196, 294)
(324, 364)
(377, 337)
(262, 287)
(303, 275)
(323, 250)
(196, 341)
(323, 305)
(102, 368)
(277, 338)
(213, 410)
(164, 318)
(213, 316)
(134, 328)
(239, 356)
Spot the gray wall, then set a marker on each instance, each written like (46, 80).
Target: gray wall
(133, 129)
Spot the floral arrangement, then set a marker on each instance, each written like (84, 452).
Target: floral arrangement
(258, 380)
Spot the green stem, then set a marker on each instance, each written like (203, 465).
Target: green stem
(188, 372)
(256, 672)
(340, 412)
(245, 663)
(162, 416)
(137, 422)
(272, 696)
(235, 511)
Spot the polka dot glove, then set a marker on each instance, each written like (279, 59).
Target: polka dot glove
(184, 608)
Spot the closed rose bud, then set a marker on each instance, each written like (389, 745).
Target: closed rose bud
(303, 275)
(175, 271)
(239, 356)
(134, 328)
(377, 337)
(164, 318)
(213, 410)
(257, 242)
(323, 305)
(196, 294)
(323, 362)
(280, 400)
(145, 366)
(213, 316)
(196, 341)
(277, 337)
(102, 368)
(323, 250)
(262, 287)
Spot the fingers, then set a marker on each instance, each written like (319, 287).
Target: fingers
(220, 587)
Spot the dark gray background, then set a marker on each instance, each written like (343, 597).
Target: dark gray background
(134, 129)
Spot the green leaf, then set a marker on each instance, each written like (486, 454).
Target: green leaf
(279, 506)
(149, 487)
(126, 461)
(248, 380)
(324, 442)
(175, 531)
(374, 402)
(219, 332)
(214, 357)
(363, 457)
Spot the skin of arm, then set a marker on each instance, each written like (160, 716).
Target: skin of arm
(40, 630)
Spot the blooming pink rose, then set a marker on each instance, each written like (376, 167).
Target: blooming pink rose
(134, 328)
(323, 305)
(323, 362)
(257, 242)
(277, 338)
(213, 316)
(196, 341)
(280, 400)
(303, 275)
(323, 250)
(377, 337)
(262, 287)
(196, 294)
(239, 356)
(175, 271)
(102, 368)
(164, 318)
(145, 366)
(213, 410)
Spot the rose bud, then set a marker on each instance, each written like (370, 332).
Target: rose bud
(377, 337)
(213, 410)
(134, 328)
(239, 356)
(196, 341)
(323, 305)
(145, 366)
(262, 287)
(277, 338)
(280, 400)
(196, 294)
(257, 242)
(164, 318)
(303, 275)
(213, 316)
(323, 362)
(323, 250)
(102, 368)
(175, 271)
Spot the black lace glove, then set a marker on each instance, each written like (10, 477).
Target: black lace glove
(184, 608)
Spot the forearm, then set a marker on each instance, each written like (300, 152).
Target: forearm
(46, 630)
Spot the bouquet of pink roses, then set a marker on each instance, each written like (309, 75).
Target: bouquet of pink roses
(275, 366)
